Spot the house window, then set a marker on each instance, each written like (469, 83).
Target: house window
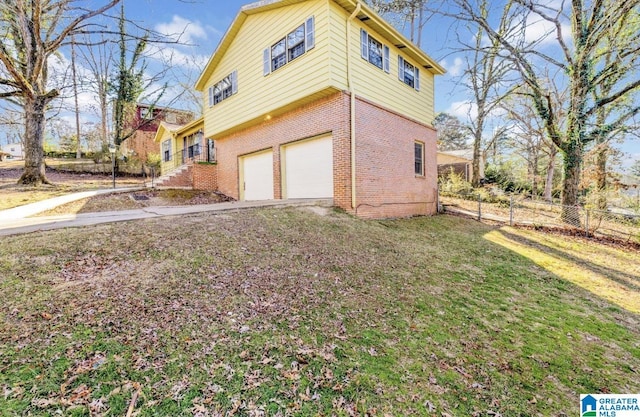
(278, 54)
(295, 43)
(146, 114)
(419, 158)
(290, 47)
(374, 52)
(166, 150)
(224, 89)
(193, 146)
(408, 74)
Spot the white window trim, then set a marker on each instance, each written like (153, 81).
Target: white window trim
(309, 43)
(422, 155)
(364, 51)
(233, 79)
(416, 73)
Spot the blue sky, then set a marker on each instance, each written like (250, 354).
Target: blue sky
(204, 22)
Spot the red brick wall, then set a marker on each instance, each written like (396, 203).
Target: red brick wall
(386, 183)
(142, 144)
(326, 115)
(205, 177)
(385, 179)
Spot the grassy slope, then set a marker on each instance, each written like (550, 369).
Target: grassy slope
(284, 311)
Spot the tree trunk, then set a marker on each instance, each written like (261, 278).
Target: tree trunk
(601, 176)
(548, 185)
(572, 164)
(475, 177)
(34, 173)
(534, 175)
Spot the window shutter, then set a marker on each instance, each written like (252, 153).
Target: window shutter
(400, 68)
(210, 96)
(310, 30)
(266, 62)
(387, 63)
(364, 44)
(417, 79)
(234, 82)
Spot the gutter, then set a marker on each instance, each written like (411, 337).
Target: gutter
(352, 109)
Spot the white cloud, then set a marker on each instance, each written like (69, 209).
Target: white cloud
(174, 56)
(182, 30)
(466, 111)
(455, 69)
(545, 32)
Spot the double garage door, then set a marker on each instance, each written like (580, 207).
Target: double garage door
(306, 166)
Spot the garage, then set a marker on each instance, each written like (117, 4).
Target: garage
(256, 176)
(308, 168)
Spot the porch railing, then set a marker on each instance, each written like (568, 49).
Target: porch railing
(186, 156)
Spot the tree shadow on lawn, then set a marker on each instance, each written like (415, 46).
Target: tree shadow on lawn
(614, 285)
(300, 315)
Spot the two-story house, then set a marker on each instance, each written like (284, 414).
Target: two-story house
(321, 99)
(144, 123)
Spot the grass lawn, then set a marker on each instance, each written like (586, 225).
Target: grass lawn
(289, 312)
(14, 195)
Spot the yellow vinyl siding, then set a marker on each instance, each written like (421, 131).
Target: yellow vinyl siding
(375, 84)
(166, 166)
(337, 31)
(259, 95)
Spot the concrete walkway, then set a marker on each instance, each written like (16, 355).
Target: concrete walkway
(28, 210)
(34, 224)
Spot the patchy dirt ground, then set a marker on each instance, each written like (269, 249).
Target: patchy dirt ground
(282, 312)
(13, 195)
(138, 199)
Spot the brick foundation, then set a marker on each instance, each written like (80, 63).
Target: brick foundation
(328, 115)
(205, 177)
(386, 184)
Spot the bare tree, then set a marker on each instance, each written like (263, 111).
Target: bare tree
(486, 78)
(619, 35)
(529, 140)
(413, 12)
(32, 32)
(98, 60)
(580, 66)
(452, 133)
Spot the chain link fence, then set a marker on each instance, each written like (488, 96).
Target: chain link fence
(517, 210)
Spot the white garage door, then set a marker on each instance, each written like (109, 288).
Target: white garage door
(308, 168)
(257, 176)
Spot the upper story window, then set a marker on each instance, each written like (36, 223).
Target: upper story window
(290, 47)
(374, 51)
(146, 113)
(295, 43)
(279, 54)
(224, 89)
(408, 74)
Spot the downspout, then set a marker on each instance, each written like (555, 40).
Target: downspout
(352, 109)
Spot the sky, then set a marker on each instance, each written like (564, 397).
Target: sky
(202, 24)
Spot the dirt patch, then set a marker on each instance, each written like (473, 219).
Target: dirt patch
(136, 200)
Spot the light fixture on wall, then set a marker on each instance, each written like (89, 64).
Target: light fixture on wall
(199, 136)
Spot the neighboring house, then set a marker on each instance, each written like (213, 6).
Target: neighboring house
(461, 162)
(145, 123)
(320, 99)
(12, 150)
